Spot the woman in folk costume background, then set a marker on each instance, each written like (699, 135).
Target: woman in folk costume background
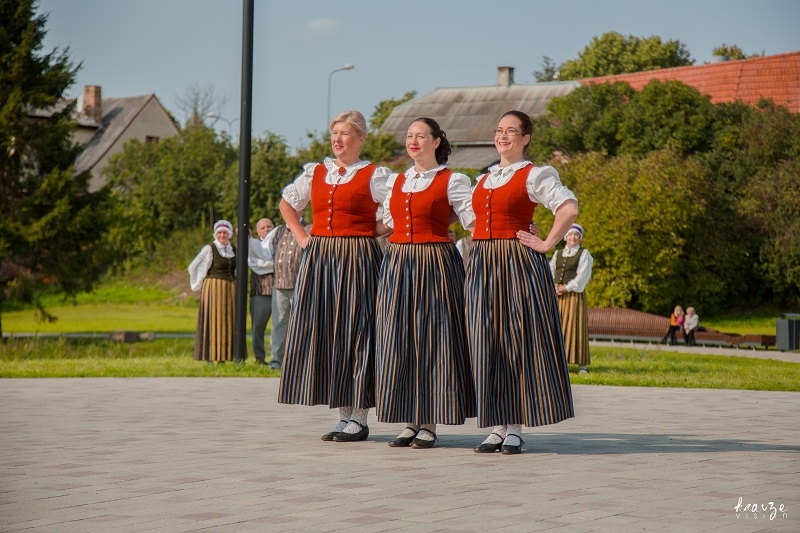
(521, 372)
(423, 368)
(330, 347)
(213, 273)
(572, 269)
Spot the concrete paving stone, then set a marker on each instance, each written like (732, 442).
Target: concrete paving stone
(166, 455)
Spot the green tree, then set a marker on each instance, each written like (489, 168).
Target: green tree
(667, 114)
(642, 216)
(177, 183)
(272, 167)
(772, 204)
(51, 229)
(549, 71)
(385, 107)
(732, 52)
(614, 53)
(585, 120)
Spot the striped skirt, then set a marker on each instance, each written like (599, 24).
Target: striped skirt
(575, 326)
(330, 344)
(213, 339)
(422, 359)
(520, 370)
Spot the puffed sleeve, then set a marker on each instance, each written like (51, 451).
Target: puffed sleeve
(199, 266)
(459, 193)
(544, 187)
(259, 257)
(378, 186)
(298, 192)
(388, 220)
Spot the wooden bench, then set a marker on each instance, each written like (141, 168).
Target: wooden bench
(608, 323)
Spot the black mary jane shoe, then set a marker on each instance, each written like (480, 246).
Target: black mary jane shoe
(424, 443)
(487, 447)
(328, 437)
(404, 442)
(361, 434)
(508, 449)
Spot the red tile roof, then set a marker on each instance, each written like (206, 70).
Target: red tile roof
(776, 77)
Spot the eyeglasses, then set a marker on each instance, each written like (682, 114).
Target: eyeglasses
(510, 132)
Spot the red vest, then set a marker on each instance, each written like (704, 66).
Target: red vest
(501, 212)
(422, 216)
(345, 210)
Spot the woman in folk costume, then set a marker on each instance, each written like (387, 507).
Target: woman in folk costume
(521, 373)
(330, 347)
(572, 269)
(423, 367)
(213, 273)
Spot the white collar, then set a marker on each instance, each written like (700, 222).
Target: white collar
(427, 175)
(330, 164)
(504, 171)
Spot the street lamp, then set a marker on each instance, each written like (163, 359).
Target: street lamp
(216, 117)
(346, 66)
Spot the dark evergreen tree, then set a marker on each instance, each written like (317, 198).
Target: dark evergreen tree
(51, 229)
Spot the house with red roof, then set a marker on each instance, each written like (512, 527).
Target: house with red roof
(469, 114)
(776, 77)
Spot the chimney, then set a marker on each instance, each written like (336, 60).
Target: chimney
(505, 76)
(92, 103)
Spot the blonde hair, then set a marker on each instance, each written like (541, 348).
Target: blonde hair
(678, 310)
(354, 118)
(690, 310)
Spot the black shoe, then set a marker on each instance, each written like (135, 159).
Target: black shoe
(327, 437)
(508, 449)
(488, 447)
(404, 442)
(362, 434)
(424, 443)
(261, 362)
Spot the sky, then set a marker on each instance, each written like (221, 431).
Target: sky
(164, 47)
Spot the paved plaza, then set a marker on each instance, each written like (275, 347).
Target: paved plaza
(221, 455)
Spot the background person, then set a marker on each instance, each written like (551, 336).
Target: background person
(213, 273)
(286, 251)
(690, 323)
(261, 281)
(572, 269)
(675, 325)
(330, 347)
(422, 360)
(521, 372)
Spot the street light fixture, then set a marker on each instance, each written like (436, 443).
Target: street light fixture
(346, 66)
(216, 117)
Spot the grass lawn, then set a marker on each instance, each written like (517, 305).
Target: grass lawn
(40, 358)
(147, 306)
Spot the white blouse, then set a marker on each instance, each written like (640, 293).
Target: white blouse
(578, 284)
(459, 193)
(259, 255)
(198, 268)
(543, 184)
(298, 193)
